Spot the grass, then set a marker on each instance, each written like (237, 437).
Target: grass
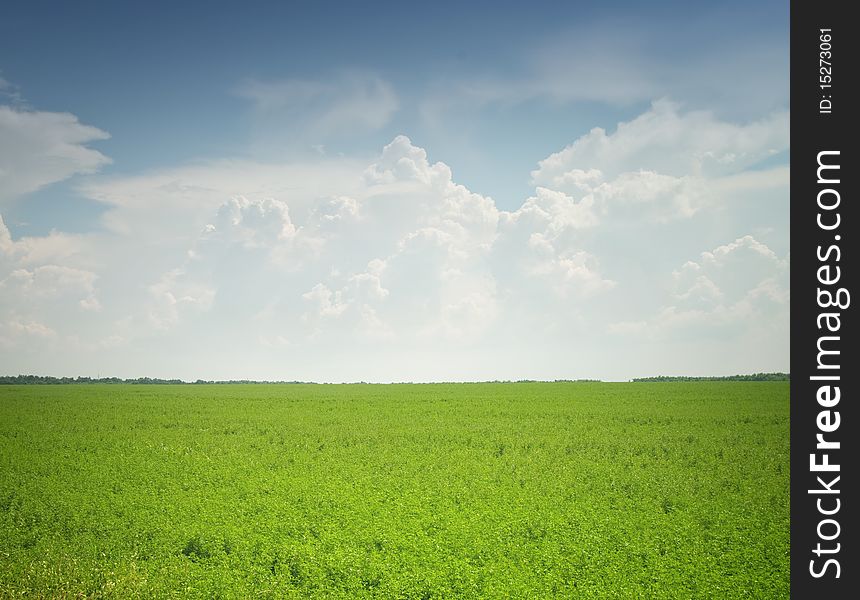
(533, 490)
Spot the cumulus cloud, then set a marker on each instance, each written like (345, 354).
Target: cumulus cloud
(40, 148)
(173, 296)
(261, 225)
(665, 164)
(375, 261)
(669, 141)
(175, 204)
(738, 286)
(323, 302)
(253, 222)
(408, 254)
(543, 239)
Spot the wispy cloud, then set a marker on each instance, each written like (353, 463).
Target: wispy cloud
(10, 92)
(345, 103)
(40, 148)
(614, 63)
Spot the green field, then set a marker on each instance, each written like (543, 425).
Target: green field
(526, 490)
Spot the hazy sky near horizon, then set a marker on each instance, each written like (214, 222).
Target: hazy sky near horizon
(392, 192)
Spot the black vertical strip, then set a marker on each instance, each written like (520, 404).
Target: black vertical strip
(824, 267)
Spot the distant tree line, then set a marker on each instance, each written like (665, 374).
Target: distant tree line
(48, 380)
(752, 377)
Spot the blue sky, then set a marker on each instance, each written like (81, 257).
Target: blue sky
(132, 128)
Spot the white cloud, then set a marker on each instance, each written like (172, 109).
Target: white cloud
(668, 141)
(44, 289)
(401, 161)
(175, 204)
(555, 212)
(6, 244)
(70, 251)
(737, 287)
(14, 332)
(259, 223)
(334, 210)
(665, 164)
(173, 295)
(335, 266)
(51, 281)
(543, 240)
(407, 254)
(41, 148)
(324, 302)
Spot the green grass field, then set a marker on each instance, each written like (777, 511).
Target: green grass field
(527, 490)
